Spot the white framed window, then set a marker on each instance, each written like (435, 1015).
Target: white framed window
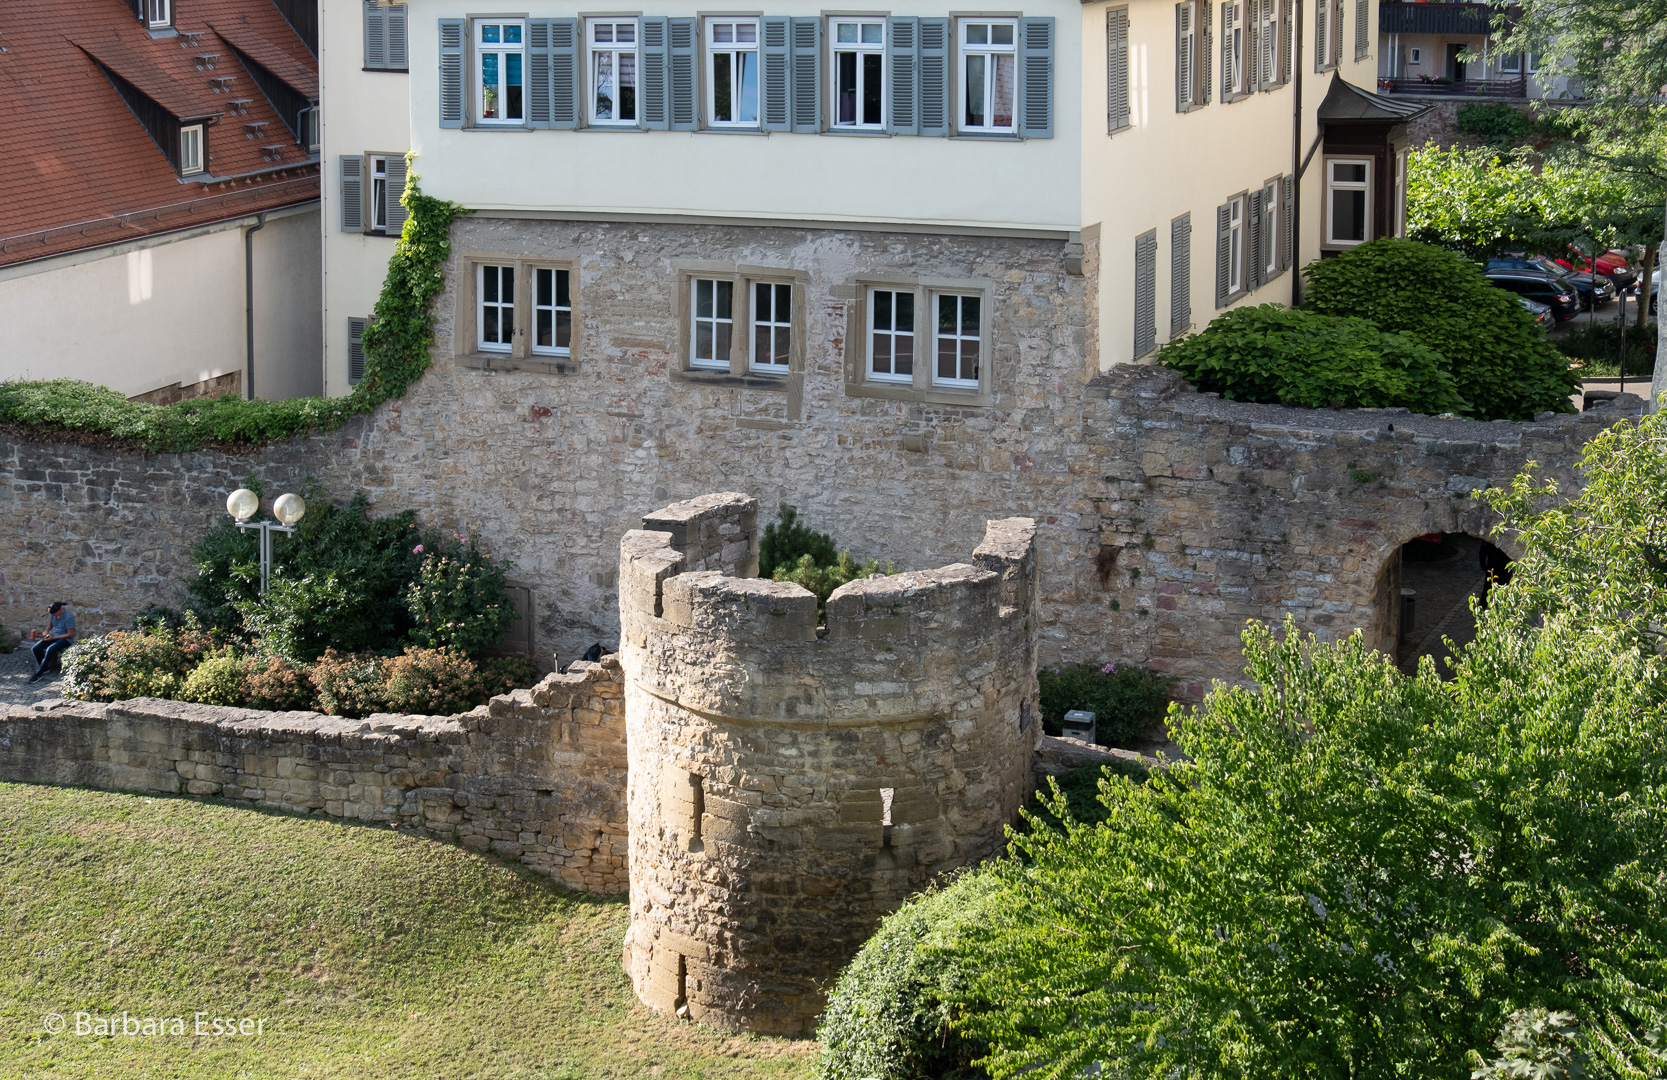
(713, 322)
(989, 74)
(495, 286)
(159, 14)
(1531, 63)
(1415, 56)
(500, 56)
(613, 71)
(1401, 194)
(1272, 214)
(378, 193)
(552, 312)
(1348, 201)
(732, 72)
(958, 339)
(190, 149)
(1235, 247)
(772, 326)
(859, 82)
(891, 335)
(1232, 33)
(1510, 63)
(309, 123)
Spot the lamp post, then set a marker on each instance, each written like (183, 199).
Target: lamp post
(244, 504)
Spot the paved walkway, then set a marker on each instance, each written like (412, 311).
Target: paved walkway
(15, 687)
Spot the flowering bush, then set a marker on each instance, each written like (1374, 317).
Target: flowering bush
(457, 600)
(127, 664)
(436, 682)
(351, 684)
(278, 683)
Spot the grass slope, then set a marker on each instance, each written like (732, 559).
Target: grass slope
(370, 954)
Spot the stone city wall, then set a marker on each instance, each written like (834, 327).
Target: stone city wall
(1227, 511)
(794, 779)
(537, 775)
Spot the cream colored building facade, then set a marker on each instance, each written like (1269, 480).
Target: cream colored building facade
(365, 130)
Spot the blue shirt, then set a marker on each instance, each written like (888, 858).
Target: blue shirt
(63, 622)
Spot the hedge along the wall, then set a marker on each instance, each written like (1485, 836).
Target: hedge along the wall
(396, 354)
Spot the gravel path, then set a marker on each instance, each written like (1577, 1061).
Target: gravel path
(15, 687)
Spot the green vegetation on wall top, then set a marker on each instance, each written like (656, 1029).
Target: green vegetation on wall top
(396, 354)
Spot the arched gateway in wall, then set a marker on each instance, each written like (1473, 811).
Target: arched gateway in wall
(793, 779)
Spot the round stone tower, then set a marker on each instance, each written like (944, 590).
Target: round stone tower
(791, 783)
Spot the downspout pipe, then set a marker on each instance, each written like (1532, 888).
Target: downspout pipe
(1297, 164)
(249, 303)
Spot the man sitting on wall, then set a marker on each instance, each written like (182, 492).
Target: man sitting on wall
(60, 632)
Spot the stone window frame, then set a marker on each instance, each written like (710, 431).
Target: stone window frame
(922, 388)
(466, 331)
(744, 277)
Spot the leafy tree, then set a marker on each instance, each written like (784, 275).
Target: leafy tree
(1357, 873)
(1498, 357)
(824, 580)
(1275, 355)
(785, 542)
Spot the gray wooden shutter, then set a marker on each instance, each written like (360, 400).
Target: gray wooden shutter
(776, 81)
(356, 349)
(1180, 274)
(932, 87)
(451, 73)
(1227, 50)
(1183, 56)
(1288, 258)
(1224, 252)
(399, 53)
(1362, 29)
(1337, 34)
(680, 79)
(1117, 69)
(353, 193)
(1145, 293)
(807, 75)
(376, 36)
(1322, 33)
(539, 85)
(1036, 78)
(1205, 32)
(904, 34)
(564, 73)
(1252, 52)
(653, 73)
(1253, 261)
(1287, 20)
(396, 191)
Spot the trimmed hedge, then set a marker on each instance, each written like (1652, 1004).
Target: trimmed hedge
(396, 355)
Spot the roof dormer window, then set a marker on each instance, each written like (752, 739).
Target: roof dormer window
(190, 149)
(159, 14)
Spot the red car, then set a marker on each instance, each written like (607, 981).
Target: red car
(1611, 264)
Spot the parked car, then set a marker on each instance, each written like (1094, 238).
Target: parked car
(1593, 291)
(1611, 264)
(1541, 312)
(1541, 288)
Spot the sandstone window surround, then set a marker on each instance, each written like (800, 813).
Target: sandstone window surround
(537, 306)
(734, 321)
(949, 343)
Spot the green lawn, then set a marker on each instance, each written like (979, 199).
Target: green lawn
(368, 954)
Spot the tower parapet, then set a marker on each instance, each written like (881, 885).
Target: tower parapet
(791, 783)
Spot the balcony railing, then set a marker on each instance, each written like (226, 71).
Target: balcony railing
(1496, 88)
(1402, 18)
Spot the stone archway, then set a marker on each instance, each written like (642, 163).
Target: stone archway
(1426, 590)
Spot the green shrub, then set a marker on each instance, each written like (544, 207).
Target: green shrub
(1080, 788)
(219, 680)
(1598, 348)
(1125, 700)
(351, 684)
(457, 600)
(278, 684)
(128, 664)
(1499, 359)
(157, 617)
(297, 617)
(1274, 355)
(823, 580)
(396, 354)
(1496, 122)
(434, 682)
(786, 542)
(501, 674)
(889, 1016)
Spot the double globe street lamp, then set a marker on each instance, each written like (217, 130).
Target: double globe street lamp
(244, 504)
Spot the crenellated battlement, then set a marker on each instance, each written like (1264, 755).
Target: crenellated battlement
(791, 782)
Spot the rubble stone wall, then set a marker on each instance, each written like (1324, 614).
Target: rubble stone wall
(792, 783)
(537, 775)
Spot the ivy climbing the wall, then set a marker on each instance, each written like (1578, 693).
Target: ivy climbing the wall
(396, 354)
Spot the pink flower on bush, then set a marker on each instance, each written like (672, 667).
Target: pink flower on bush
(1108, 669)
(418, 550)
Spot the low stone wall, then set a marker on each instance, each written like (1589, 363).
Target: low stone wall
(536, 775)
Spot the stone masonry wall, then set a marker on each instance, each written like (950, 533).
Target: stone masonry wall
(792, 783)
(1227, 511)
(537, 775)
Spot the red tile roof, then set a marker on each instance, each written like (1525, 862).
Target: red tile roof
(77, 167)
